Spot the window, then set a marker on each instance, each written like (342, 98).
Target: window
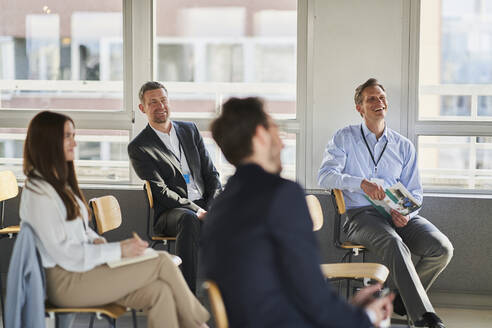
(454, 120)
(68, 57)
(207, 51)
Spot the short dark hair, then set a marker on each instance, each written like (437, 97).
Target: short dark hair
(234, 129)
(369, 83)
(147, 86)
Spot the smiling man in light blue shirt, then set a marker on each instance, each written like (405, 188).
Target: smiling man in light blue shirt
(365, 159)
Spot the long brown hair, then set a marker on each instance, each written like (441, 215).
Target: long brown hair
(44, 159)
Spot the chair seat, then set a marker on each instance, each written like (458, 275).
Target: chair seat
(163, 238)
(349, 245)
(112, 310)
(10, 229)
(374, 271)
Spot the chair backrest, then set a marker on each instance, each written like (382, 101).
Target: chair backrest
(315, 211)
(217, 304)
(340, 201)
(150, 199)
(150, 202)
(107, 213)
(8, 185)
(339, 206)
(8, 189)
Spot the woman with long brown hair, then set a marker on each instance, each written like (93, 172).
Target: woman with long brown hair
(74, 256)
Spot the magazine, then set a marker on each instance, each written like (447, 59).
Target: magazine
(397, 198)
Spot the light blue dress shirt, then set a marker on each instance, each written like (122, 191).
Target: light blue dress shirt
(347, 161)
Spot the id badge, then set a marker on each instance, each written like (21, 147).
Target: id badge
(186, 176)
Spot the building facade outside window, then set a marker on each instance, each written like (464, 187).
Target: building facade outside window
(454, 120)
(70, 57)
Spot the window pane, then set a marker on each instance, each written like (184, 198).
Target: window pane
(456, 162)
(61, 55)
(455, 78)
(100, 155)
(244, 48)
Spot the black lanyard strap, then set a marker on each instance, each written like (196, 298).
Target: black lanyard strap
(369, 149)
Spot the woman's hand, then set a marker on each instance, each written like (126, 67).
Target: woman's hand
(132, 247)
(101, 240)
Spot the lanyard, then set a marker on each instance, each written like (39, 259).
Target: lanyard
(177, 158)
(370, 152)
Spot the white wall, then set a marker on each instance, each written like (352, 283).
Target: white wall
(350, 41)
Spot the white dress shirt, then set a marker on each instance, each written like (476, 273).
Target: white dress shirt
(68, 244)
(172, 143)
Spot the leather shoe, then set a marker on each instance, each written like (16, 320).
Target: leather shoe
(431, 320)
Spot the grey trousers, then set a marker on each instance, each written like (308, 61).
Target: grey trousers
(394, 247)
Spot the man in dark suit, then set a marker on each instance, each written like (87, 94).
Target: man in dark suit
(258, 242)
(183, 180)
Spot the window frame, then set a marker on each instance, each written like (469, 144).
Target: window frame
(139, 54)
(454, 126)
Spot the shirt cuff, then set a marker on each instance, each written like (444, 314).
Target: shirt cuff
(414, 214)
(354, 183)
(372, 316)
(111, 251)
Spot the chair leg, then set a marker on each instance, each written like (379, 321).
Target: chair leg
(348, 289)
(111, 321)
(91, 320)
(134, 317)
(1, 301)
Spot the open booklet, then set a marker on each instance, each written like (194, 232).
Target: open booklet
(397, 198)
(148, 254)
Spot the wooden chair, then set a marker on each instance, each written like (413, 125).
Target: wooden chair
(217, 304)
(110, 312)
(345, 271)
(106, 217)
(340, 211)
(8, 189)
(154, 239)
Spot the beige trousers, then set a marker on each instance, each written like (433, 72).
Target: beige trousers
(155, 286)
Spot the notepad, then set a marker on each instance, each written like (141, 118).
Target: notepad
(148, 254)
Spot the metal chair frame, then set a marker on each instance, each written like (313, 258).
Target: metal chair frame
(154, 239)
(351, 249)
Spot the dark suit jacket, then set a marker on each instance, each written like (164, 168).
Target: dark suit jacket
(258, 245)
(152, 161)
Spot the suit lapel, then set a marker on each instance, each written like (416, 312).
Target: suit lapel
(165, 151)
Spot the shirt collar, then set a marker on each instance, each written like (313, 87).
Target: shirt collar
(368, 132)
(161, 134)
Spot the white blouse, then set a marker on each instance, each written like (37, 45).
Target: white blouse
(68, 244)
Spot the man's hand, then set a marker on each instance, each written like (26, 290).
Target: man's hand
(373, 190)
(398, 219)
(380, 307)
(201, 214)
(132, 247)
